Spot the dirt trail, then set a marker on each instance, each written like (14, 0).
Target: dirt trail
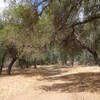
(52, 83)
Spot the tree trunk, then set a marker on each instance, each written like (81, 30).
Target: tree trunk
(93, 52)
(72, 61)
(2, 63)
(72, 58)
(96, 58)
(10, 66)
(35, 63)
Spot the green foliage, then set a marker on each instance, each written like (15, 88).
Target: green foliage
(28, 17)
(33, 36)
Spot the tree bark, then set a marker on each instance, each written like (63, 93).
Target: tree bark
(35, 63)
(10, 66)
(2, 63)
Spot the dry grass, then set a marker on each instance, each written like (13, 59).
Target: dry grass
(52, 83)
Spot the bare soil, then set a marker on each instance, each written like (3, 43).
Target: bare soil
(52, 83)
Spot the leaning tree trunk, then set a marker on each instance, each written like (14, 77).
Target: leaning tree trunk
(95, 55)
(93, 52)
(35, 63)
(2, 62)
(10, 66)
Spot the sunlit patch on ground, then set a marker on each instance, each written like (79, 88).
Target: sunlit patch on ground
(52, 83)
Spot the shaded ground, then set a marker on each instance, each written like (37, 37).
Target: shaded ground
(52, 83)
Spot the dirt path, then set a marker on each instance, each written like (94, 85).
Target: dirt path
(52, 83)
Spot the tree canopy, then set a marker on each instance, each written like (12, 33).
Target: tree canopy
(51, 30)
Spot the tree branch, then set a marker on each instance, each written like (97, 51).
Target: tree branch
(89, 19)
